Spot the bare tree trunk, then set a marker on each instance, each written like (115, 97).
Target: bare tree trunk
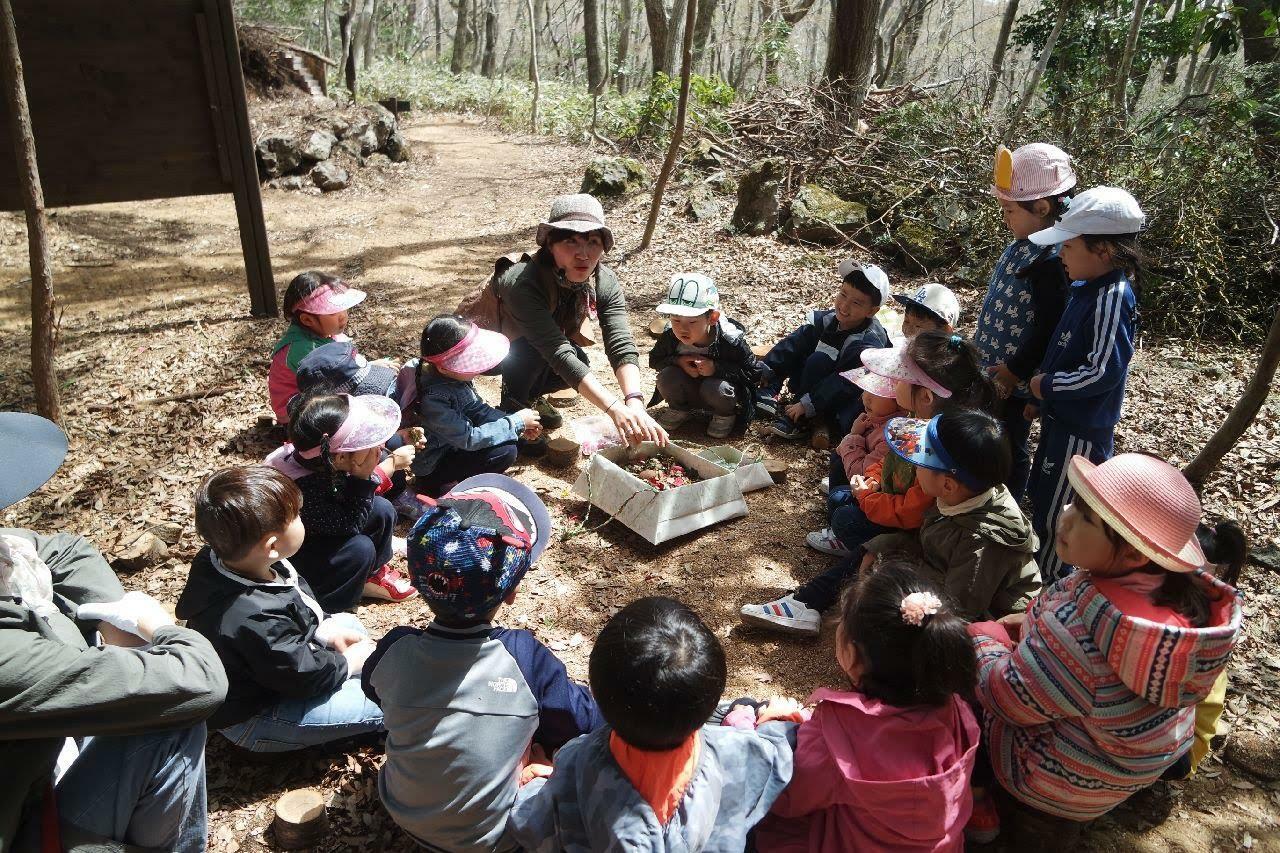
(475, 37)
(624, 45)
(906, 40)
(44, 380)
(326, 17)
(702, 28)
(1242, 413)
(850, 50)
(459, 61)
(675, 32)
(656, 14)
(1064, 6)
(1120, 89)
(677, 135)
(439, 29)
(370, 32)
(533, 65)
(489, 66)
(997, 58)
(1170, 75)
(591, 35)
(346, 25)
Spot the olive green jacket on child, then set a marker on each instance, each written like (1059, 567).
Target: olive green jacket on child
(982, 553)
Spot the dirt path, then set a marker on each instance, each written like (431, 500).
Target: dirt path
(155, 305)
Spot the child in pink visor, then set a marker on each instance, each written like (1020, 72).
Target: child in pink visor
(317, 304)
(335, 444)
(465, 436)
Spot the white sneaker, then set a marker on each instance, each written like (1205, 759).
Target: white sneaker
(783, 614)
(824, 485)
(720, 426)
(825, 541)
(671, 418)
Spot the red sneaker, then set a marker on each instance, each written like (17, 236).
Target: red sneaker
(984, 824)
(388, 584)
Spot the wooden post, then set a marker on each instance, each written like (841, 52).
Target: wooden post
(43, 378)
(677, 135)
(1242, 413)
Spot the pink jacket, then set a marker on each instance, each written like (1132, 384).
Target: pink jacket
(865, 444)
(872, 776)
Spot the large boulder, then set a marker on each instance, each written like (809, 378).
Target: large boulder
(396, 149)
(614, 176)
(703, 204)
(278, 155)
(757, 209)
(922, 244)
(329, 176)
(382, 122)
(318, 146)
(820, 216)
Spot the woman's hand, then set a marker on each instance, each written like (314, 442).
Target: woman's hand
(634, 424)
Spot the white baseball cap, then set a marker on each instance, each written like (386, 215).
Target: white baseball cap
(870, 272)
(1031, 172)
(1101, 211)
(937, 299)
(692, 294)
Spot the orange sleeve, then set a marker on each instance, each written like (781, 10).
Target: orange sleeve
(905, 511)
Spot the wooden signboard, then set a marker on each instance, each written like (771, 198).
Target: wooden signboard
(140, 99)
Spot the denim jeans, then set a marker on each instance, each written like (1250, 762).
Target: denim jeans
(526, 375)
(298, 723)
(147, 790)
(458, 465)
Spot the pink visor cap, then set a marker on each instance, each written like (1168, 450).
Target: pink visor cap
(478, 351)
(894, 363)
(873, 383)
(1031, 172)
(369, 423)
(327, 300)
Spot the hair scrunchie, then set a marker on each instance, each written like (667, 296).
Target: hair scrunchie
(919, 606)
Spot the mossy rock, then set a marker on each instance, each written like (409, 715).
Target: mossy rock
(922, 244)
(703, 205)
(722, 182)
(758, 189)
(611, 177)
(820, 216)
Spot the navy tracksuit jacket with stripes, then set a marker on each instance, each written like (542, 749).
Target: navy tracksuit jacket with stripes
(1085, 369)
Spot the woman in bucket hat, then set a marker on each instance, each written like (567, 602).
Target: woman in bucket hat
(545, 300)
(135, 700)
(1092, 695)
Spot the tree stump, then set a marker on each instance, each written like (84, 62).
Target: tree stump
(777, 469)
(562, 398)
(562, 451)
(301, 820)
(657, 326)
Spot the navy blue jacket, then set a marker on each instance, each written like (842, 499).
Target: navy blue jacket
(832, 393)
(1088, 357)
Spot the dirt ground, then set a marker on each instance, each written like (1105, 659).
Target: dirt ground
(154, 305)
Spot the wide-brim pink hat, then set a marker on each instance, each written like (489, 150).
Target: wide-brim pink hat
(478, 351)
(327, 300)
(873, 383)
(370, 422)
(1148, 502)
(895, 364)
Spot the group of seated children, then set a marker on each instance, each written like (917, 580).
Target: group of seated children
(969, 689)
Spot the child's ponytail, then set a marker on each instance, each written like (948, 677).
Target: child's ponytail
(955, 364)
(1224, 545)
(316, 420)
(914, 649)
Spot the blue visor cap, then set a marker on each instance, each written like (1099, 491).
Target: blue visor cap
(917, 442)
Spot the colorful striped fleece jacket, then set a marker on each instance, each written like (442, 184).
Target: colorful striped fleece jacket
(1094, 704)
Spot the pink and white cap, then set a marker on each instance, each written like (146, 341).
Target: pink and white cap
(894, 363)
(873, 383)
(1038, 170)
(478, 351)
(1148, 502)
(369, 423)
(328, 300)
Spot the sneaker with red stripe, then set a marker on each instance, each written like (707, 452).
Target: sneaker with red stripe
(388, 584)
(783, 614)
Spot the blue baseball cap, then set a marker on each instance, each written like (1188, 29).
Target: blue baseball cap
(474, 545)
(336, 368)
(917, 442)
(31, 449)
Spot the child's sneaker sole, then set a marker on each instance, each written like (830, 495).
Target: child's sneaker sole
(755, 616)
